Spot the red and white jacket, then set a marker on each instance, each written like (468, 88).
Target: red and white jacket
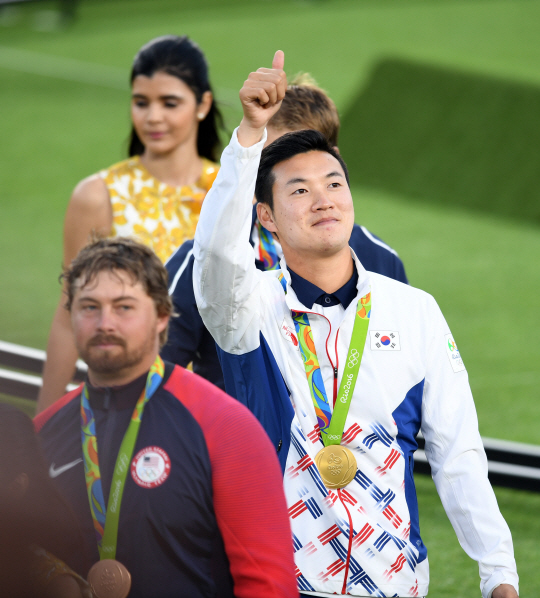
(362, 540)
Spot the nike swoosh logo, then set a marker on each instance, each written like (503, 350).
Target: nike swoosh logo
(55, 472)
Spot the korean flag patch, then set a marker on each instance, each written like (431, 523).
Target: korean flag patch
(385, 340)
(453, 354)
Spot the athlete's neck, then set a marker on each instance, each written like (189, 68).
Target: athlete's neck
(329, 273)
(182, 166)
(121, 376)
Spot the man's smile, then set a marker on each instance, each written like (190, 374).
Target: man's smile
(326, 220)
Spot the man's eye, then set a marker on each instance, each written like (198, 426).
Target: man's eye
(335, 185)
(300, 191)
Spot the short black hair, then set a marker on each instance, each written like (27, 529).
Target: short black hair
(285, 148)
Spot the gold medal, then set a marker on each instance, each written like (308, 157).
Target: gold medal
(109, 579)
(337, 466)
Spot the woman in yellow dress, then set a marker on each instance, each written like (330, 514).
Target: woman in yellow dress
(156, 194)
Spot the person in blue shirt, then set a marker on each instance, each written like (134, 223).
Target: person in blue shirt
(305, 106)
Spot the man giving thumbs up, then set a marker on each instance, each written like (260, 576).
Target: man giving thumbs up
(261, 98)
(355, 365)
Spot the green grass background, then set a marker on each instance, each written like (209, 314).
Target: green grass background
(64, 99)
(447, 136)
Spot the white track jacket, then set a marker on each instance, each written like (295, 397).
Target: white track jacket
(363, 540)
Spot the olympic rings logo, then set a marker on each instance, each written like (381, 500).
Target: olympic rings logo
(353, 358)
(333, 437)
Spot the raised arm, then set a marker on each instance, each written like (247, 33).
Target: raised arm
(225, 279)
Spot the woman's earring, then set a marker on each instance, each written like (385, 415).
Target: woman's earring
(201, 115)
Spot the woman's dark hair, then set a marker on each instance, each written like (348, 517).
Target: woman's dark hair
(41, 516)
(181, 58)
(284, 148)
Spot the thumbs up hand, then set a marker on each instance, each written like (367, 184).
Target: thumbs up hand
(261, 97)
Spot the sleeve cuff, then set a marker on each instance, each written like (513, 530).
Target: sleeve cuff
(496, 580)
(242, 152)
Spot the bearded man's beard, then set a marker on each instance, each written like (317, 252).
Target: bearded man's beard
(111, 361)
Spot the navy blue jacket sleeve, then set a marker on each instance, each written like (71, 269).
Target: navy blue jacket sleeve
(376, 255)
(184, 327)
(189, 341)
(255, 380)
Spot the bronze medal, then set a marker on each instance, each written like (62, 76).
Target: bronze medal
(337, 466)
(109, 579)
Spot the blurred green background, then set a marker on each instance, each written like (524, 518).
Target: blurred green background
(440, 106)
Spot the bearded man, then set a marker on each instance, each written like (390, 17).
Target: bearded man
(151, 457)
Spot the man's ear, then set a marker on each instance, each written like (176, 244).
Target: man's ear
(266, 218)
(162, 323)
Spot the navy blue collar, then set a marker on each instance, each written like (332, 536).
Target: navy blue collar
(308, 293)
(116, 397)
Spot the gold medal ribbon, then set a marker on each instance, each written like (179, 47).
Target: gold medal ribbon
(336, 463)
(332, 433)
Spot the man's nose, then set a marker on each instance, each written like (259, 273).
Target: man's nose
(322, 200)
(106, 319)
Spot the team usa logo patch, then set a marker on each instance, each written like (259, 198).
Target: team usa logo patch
(150, 467)
(385, 340)
(453, 354)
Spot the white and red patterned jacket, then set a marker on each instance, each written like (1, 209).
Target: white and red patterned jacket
(362, 540)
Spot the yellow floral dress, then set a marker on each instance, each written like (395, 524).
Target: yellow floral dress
(158, 215)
